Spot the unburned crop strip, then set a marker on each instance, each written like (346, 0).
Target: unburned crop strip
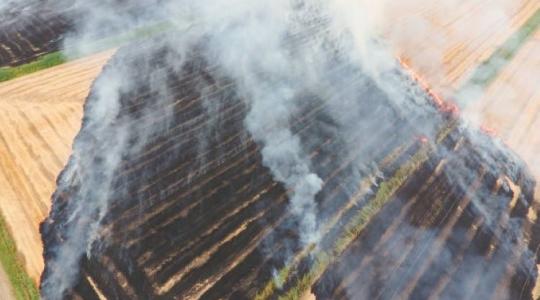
(362, 189)
(429, 177)
(488, 71)
(481, 44)
(23, 287)
(44, 62)
(437, 246)
(384, 194)
(322, 258)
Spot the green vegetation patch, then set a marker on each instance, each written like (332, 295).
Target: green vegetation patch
(488, 71)
(323, 259)
(353, 229)
(44, 62)
(58, 58)
(385, 192)
(22, 285)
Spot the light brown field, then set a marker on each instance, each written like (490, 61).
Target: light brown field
(446, 43)
(446, 40)
(511, 105)
(40, 115)
(5, 286)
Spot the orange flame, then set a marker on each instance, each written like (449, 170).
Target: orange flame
(442, 105)
(489, 130)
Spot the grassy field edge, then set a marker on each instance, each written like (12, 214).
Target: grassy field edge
(57, 58)
(22, 285)
(44, 62)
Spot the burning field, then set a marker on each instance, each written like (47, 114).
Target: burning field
(192, 211)
(199, 179)
(272, 150)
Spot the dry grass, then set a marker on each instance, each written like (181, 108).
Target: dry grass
(40, 115)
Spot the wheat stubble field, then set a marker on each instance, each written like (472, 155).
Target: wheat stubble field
(40, 115)
(451, 48)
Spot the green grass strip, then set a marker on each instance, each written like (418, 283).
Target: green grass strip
(488, 71)
(385, 193)
(43, 62)
(285, 272)
(22, 285)
(57, 58)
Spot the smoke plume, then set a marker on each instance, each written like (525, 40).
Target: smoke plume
(275, 52)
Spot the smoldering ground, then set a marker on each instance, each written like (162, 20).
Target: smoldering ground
(275, 52)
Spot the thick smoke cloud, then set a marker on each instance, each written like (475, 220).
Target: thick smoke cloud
(274, 51)
(4, 4)
(271, 71)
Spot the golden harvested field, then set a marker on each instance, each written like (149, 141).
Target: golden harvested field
(40, 114)
(452, 43)
(446, 43)
(511, 105)
(446, 40)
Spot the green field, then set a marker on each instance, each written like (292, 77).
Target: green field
(21, 284)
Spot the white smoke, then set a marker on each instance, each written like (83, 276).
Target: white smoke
(5, 4)
(268, 78)
(256, 44)
(85, 215)
(248, 40)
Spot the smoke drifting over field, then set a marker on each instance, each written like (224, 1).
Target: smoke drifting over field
(275, 52)
(4, 4)
(430, 34)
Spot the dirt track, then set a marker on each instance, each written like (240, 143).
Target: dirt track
(39, 117)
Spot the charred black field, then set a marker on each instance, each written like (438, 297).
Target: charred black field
(29, 30)
(413, 203)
